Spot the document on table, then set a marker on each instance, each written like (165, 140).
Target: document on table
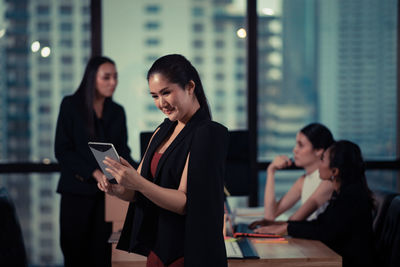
(233, 250)
(240, 248)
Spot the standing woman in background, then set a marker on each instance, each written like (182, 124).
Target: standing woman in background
(176, 210)
(311, 141)
(89, 114)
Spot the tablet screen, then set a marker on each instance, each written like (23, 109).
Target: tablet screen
(100, 151)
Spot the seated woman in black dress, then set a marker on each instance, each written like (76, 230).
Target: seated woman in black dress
(346, 224)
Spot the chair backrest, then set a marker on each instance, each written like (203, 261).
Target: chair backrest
(382, 198)
(388, 240)
(237, 164)
(12, 248)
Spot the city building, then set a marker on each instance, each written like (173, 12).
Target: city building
(46, 45)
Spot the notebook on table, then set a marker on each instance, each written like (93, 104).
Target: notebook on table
(240, 248)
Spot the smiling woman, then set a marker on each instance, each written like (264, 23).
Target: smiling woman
(177, 104)
(176, 194)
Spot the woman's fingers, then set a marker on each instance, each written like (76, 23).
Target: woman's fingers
(282, 161)
(114, 168)
(262, 230)
(125, 162)
(103, 186)
(263, 222)
(114, 173)
(111, 163)
(254, 224)
(106, 186)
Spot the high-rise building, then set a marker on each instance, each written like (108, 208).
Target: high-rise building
(3, 81)
(212, 35)
(204, 31)
(15, 96)
(358, 73)
(46, 46)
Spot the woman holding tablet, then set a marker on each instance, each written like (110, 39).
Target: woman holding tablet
(89, 114)
(175, 216)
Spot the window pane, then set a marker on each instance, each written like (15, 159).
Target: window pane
(332, 62)
(38, 63)
(219, 55)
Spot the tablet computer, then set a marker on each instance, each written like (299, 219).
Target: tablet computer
(100, 151)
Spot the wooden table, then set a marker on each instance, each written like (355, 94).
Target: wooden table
(295, 253)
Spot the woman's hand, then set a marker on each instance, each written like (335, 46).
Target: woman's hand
(262, 222)
(111, 189)
(280, 162)
(280, 229)
(98, 175)
(124, 173)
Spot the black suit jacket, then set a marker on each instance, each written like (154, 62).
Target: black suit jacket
(345, 226)
(76, 161)
(197, 236)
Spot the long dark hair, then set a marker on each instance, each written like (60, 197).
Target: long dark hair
(347, 157)
(319, 135)
(87, 88)
(177, 69)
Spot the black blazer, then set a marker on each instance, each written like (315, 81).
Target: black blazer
(197, 235)
(76, 161)
(345, 226)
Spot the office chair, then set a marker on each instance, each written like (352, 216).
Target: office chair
(238, 163)
(382, 198)
(388, 241)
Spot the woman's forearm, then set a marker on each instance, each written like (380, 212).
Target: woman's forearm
(127, 195)
(269, 196)
(169, 199)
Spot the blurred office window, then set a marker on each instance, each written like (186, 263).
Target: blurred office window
(327, 61)
(40, 63)
(205, 32)
(332, 62)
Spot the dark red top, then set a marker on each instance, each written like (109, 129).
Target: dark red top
(154, 163)
(153, 260)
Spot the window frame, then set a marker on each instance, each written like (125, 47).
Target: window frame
(252, 114)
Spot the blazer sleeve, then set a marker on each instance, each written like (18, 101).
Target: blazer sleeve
(67, 141)
(336, 221)
(204, 243)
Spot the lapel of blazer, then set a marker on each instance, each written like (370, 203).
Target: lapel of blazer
(160, 136)
(197, 117)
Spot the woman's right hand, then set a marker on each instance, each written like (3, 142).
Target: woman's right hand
(111, 189)
(280, 162)
(262, 222)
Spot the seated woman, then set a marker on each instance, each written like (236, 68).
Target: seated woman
(311, 141)
(346, 224)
